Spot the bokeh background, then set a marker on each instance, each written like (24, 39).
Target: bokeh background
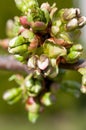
(69, 112)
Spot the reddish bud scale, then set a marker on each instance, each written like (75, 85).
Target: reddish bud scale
(30, 101)
(24, 21)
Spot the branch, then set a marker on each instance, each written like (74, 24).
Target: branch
(9, 63)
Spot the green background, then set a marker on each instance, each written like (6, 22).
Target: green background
(68, 113)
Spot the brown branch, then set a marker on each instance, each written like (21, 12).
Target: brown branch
(9, 63)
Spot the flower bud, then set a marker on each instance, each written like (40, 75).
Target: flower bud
(17, 41)
(43, 62)
(46, 99)
(71, 13)
(25, 5)
(24, 21)
(19, 49)
(83, 88)
(82, 21)
(77, 47)
(65, 36)
(82, 71)
(32, 62)
(52, 50)
(72, 24)
(38, 26)
(19, 58)
(28, 35)
(46, 6)
(36, 88)
(73, 56)
(13, 95)
(9, 28)
(32, 116)
(84, 80)
(55, 30)
(18, 78)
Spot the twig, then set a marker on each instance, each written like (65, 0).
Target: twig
(9, 63)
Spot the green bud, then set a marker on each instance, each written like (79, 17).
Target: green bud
(82, 71)
(9, 28)
(32, 62)
(84, 80)
(52, 50)
(66, 37)
(37, 87)
(73, 56)
(18, 78)
(13, 95)
(36, 15)
(83, 88)
(33, 116)
(17, 41)
(28, 35)
(72, 24)
(46, 99)
(19, 58)
(28, 84)
(54, 72)
(19, 49)
(71, 13)
(55, 30)
(77, 47)
(47, 16)
(24, 5)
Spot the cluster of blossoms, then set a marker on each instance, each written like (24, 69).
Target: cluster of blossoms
(42, 38)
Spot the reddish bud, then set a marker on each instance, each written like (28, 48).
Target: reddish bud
(24, 21)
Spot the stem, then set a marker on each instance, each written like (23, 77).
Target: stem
(9, 63)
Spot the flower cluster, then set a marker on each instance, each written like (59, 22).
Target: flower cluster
(42, 38)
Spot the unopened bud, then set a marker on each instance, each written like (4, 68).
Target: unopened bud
(19, 49)
(55, 30)
(13, 95)
(72, 24)
(82, 71)
(9, 28)
(19, 58)
(46, 6)
(32, 62)
(17, 41)
(43, 62)
(84, 80)
(28, 35)
(32, 116)
(38, 26)
(77, 47)
(24, 21)
(71, 13)
(52, 50)
(82, 21)
(47, 99)
(73, 56)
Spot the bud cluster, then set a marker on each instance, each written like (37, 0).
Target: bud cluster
(42, 39)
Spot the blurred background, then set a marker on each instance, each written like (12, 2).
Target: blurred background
(69, 111)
